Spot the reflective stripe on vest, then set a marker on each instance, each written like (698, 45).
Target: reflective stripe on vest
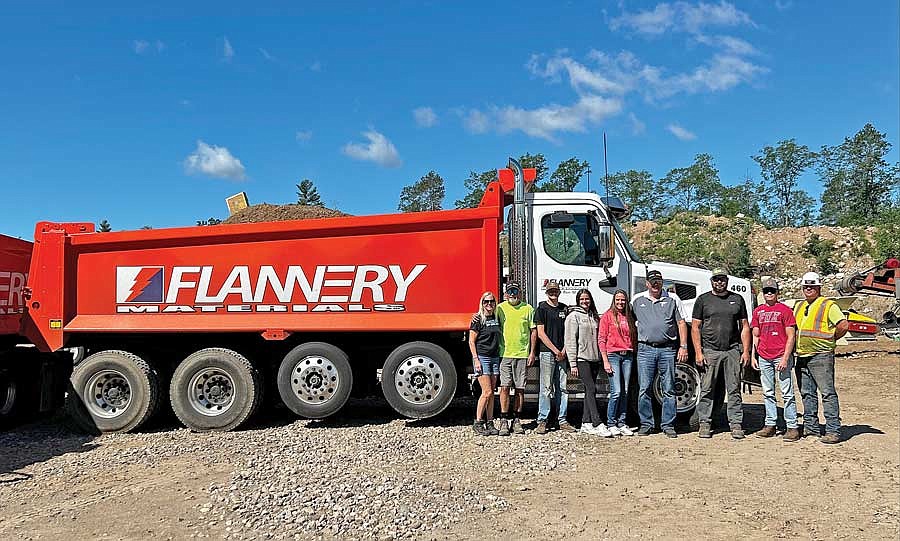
(819, 327)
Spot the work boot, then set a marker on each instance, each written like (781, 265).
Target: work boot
(705, 431)
(737, 432)
(517, 426)
(792, 434)
(564, 426)
(541, 427)
(645, 431)
(831, 437)
(490, 428)
(670, 432)
(811, 431)
(504, 428)
(479, 428)
(766, 432)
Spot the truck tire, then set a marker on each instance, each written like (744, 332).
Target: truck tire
(687, 394)
(112, 391)
(215, 389)
(10, 399)
(419, 379)
(315, 380)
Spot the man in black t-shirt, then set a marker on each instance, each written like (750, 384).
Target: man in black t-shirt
(721, 336)
(550, 318)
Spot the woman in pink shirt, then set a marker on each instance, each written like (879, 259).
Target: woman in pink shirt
(614, 340)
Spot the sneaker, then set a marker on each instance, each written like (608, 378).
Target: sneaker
(670, 432)
(588, 428)
(517, 426)
(625, 431)
(737, 433)
(564, 426)
(504, 428)
(645, 431)
(541, 427)
(766, 432)
(602, 431)
(792, 434)
(479, 428)
(614, 430)
(705, 431)
(831, 437)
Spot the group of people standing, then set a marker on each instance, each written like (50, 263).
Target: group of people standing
(650, 331)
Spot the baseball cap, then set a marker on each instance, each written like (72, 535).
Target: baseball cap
(654, 275)
(719, 271)
(513, 286)
(770, 283)
(551, 284)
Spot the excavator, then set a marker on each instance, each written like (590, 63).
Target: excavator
(881, 280)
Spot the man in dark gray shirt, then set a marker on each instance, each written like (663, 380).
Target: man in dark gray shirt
(661, 332)
(721, 336)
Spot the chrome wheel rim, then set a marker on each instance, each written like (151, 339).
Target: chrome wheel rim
(315, 379)
(419, 379)
(211, 391)
(686, 388)
(107, 394)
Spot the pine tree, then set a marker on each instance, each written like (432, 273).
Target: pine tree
(104, 227)
(425, 194)
(307, 194)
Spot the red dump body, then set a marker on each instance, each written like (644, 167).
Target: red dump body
(15, 256)
(400, 272)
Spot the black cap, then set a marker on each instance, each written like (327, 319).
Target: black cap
(513, 285)
(654, 275)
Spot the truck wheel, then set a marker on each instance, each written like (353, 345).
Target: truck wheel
(687, 394)
(9, 399)
(419, 379)
(215, 389)
(315, 379)
(114, 391)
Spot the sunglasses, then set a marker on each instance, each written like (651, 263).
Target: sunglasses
(512, 292)
(719, 278)
(810, 287)
(769, 291)
(489, 301)
(552, 292)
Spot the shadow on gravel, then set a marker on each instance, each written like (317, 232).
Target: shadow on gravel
(35, 443)
(850, 431)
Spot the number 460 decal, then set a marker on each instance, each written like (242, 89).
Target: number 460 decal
(738, 288)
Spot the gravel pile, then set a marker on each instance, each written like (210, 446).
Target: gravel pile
(265, 212)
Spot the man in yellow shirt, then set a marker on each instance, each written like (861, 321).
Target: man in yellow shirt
(517, 350)
(820, 323)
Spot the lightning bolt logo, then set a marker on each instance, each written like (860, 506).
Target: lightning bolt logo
(139, 284)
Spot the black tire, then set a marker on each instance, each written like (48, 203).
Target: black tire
(12, 407)
(215, 389)
(124, 392)
(419, 379)
(315, 380)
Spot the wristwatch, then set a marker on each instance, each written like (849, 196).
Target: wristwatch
(683, 346)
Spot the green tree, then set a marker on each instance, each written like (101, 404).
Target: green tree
(537, 162)
(742, 198)
(307, 194)
(566, 176)
(104, 227)
(425, 194)
(781, 167)
(146, 227)
(858, 180)
(640, 192)
(695, 188)
(477, 182)
(210, 221)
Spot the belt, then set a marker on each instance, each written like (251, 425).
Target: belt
(667, 343)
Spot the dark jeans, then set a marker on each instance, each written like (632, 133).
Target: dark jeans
(650, 361)
(618, 388)
(816, 373)
(718, 362)
(588, 373)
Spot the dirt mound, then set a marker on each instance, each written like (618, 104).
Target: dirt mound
(265, 212)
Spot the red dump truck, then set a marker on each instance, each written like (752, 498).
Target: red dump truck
(206, 318)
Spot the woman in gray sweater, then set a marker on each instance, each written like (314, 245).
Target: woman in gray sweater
(584, 359)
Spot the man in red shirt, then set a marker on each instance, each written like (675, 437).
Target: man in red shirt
(774, 329)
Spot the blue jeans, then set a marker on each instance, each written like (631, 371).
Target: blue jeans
(767, 375)
(618, 388)
(650, 362)
(815, 375)
(553, 387)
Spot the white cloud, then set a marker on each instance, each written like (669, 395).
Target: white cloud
(266, 54)
(227, 50)
(215, 162)
(379, 150)
(425, 116)
(475, 121)
(681, 17)
(637, 127)
(140, 46)
(545, 121)
(303, 136)
(728, 44)
(680, 132)
(580, 77)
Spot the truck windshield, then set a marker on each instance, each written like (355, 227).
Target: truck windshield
(625, 242)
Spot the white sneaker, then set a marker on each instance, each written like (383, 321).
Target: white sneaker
(614, 431)
(602, 431)
(625, 431)
(587, 428)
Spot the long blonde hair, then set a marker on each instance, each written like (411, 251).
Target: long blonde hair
(481, 315)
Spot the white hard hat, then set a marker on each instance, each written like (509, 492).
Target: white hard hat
(811, 279)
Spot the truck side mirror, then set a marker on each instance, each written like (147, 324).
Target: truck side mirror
(606, 243)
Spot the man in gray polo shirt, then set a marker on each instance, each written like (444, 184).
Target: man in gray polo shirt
(661, 336)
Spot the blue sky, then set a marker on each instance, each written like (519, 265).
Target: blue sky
(153, 116)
